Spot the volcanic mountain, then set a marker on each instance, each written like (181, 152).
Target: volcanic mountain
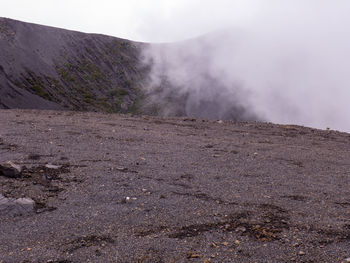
(44, 67)
(94, 187)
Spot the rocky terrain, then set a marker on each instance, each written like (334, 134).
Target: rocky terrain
(97, 187)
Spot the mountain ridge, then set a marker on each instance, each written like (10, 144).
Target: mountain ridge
(45, 67)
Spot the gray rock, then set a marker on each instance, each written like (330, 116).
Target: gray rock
(9, 169)
(16, 207)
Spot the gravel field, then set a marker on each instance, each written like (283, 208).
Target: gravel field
(119, 188)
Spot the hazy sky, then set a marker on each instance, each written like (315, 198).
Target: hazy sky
(143, 20)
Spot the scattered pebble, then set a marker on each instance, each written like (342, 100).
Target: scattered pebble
(241, 229)
(192, 254)
(302, 253)
(51, 166)
(122, 169)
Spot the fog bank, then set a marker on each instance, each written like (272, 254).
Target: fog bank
(290, 64)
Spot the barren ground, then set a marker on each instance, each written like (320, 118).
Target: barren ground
(147, 189)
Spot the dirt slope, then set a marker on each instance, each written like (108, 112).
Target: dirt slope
(148, 189)
(43, 67)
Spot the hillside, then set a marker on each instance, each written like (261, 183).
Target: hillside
(49, 68)
(117, 188)
(44, 67)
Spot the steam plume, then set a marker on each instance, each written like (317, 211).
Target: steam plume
(291, 64)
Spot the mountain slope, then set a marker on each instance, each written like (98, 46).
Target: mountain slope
(49, 68)
(44, 67)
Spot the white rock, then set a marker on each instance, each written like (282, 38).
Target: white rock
(51, 166)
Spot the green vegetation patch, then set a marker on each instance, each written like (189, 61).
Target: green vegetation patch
(117, 92)
(36, 84)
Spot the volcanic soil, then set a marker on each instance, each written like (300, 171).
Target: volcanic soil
(123, 188)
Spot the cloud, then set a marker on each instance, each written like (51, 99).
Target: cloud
(178, 20)
(150, 21)
(290, 64)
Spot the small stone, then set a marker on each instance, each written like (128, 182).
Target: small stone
(302, 253)
(214, 245)
(25, 201)
(15, 207)
(192, 254)
(122, 169)
(3, 200)
(347, 260)
(11, 170)
(241, 229)
(237, 242)
(225, 244)
(51, 166)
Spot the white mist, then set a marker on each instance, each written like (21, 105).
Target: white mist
(291, 64)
